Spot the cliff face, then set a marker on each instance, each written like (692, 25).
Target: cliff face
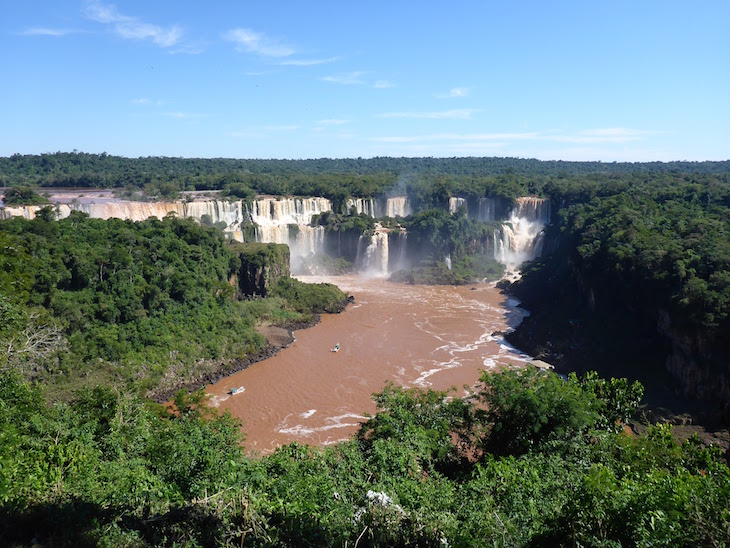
(580, 324)
(261, 266)
(699, 363)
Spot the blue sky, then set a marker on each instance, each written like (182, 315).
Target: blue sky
(638, 80)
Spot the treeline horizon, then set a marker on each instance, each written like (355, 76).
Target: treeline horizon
(74, 163)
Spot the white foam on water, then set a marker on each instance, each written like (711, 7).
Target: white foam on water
(302, 430)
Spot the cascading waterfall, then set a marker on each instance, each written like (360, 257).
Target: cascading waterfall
(372, 253)
(397, 206)
(287, 220)
(361, 206)
(520, 238)
(486, 212)
(397, 259)
(231, 213)
(456, 203)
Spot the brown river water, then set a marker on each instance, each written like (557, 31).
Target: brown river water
(415, 336)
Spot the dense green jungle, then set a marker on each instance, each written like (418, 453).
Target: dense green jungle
(99, 319)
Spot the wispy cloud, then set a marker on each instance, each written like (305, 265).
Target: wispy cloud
(247, 40)
(309, 62)
(329, 124)
(618, 132)
(179, 115)
(383, 84)
(281, 128)
(458, 137)
(603, 135)
(145, 101)
(262, 132)
(455, 93)
(132, 28)
(618, 143)
(43, 31)
(354, 78)
(456, 114)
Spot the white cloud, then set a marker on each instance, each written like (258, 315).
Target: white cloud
(332, 122)
(582, 139)
(353, 78)
(262, 132)
(473, 137)
(257, 42)
(455, 93)
(184, 115)
(616, 132)
(383, 84)
(309, 62)
(145, 101)
(42, 31)
(456, 114)
(281, 128)
(609, 144)
(132, 28)
(603, 135)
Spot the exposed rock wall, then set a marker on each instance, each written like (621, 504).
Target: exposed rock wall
(261, 267)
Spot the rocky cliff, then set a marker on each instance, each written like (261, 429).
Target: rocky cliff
(261, 266)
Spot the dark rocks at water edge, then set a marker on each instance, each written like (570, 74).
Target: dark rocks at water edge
(226, 369)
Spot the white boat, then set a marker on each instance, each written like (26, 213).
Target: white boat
(336, 348)
(239, 390)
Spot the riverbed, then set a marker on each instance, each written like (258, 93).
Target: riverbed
(414, 336)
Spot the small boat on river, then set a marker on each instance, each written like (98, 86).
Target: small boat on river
(239, 390)
(336, 348)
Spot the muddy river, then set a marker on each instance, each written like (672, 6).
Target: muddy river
(423, 336)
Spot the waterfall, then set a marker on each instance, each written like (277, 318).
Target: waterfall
(397, 250)
(372, 253)
(27, 212)
(361, 206)
(397, 206)
(520, 238)
(287, 211)
(486, 210)
(231, 213)
(287, 220)
(534, 209)
(456, 203)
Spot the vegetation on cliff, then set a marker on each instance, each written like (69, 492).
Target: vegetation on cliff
(545, 463)
(639, 271)
(136, 305)
(21, 196)
(467, 270)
